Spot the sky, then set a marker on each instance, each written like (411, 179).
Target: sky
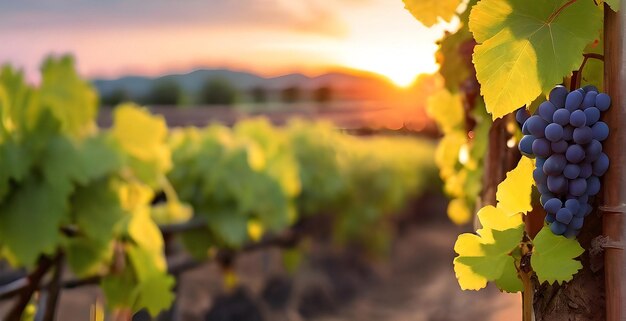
(270, 37)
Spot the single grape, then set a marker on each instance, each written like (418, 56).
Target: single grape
(593, 150)
(557, 96)
(550, 218)
(593, 115)
(590, 88)
(588, 209)
(545, 110)
(552, 205)
(590, 99)
(525, 130)
(577, 118)
(572, 205)
(561, 116)
(539, 161)
(577, 222)
(564, 215)
(601, 165)
(600, 131)
(571, 171)
(583, 135)
(573, 100)
(581, 210)
(539, 176)
(541, 147)
(559, 147)
(545, 197)
(558, 228)
(526, 145)
(543, 188)
(585, 170)
(554, 132)
(536, 126)
(577, 187)
(603, 101)
(575, 154)
(593, 185)
(582, 199)
(522, 115)
(555, 164)
(570, 233)
(557, 184)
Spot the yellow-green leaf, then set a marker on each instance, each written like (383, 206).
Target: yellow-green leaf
(429, 11)
(513, 193)
(553, 257)
(527, 47)
(446, 109)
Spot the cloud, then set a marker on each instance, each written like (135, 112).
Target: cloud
(310, 16)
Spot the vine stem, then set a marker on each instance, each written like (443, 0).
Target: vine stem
(527, 297)
(558, 11)
(577, 75)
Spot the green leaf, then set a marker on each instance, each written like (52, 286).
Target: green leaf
(71, 99)
(454, 60)
(509, 281)
(614, 4)
(428, 12)
(30, 219)
(488, 255)
(553, 257)
(97, 210)
(527, 47)
(88, 257)
(155, 293)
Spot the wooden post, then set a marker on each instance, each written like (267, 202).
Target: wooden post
(614, 184)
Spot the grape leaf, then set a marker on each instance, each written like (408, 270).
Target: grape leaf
(458, 212)
(553, 256)
(614, 4)
(155, 293)
(33, 209)
(510, 281)
(528, 47)
(446, 109)
(428, 11)
(87, 256)
(486, 255)
(71, 99)
(513, 194)
(454, 58)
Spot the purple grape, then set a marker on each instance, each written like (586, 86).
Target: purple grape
(601, 165)
(550, 218)
(581, 210)
(593, 151)
(545, 197)
(564, 215)
(558, 228)
(577, 222)
(570, 233)
(577, 187)
(600, 131)
(593, 185)
(554, 132)
(575, 154)
(525, 130)
(561, 116)
(590, 99)
(536, 126)
(539, 161)
(590, 88)
(522, 115)
(568, 133)
(585, 170)
(593, 115)
(557, 184)
(582, 199)
(543, 188)
(545, 110)
(526, 145)
(541, 147)
(588, 209)
(577, 118)
(555, 164)
(557, 96)
(539, 176)
(573, 100)
(603, 101)
(572, 205)
(571, 171)
(583, 135)
(552, 205)
(559, 147)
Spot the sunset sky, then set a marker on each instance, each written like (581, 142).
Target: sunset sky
(270, 37)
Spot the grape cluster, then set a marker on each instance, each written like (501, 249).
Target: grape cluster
(565, 136)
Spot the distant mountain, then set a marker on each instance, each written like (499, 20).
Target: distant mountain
(345, 85)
